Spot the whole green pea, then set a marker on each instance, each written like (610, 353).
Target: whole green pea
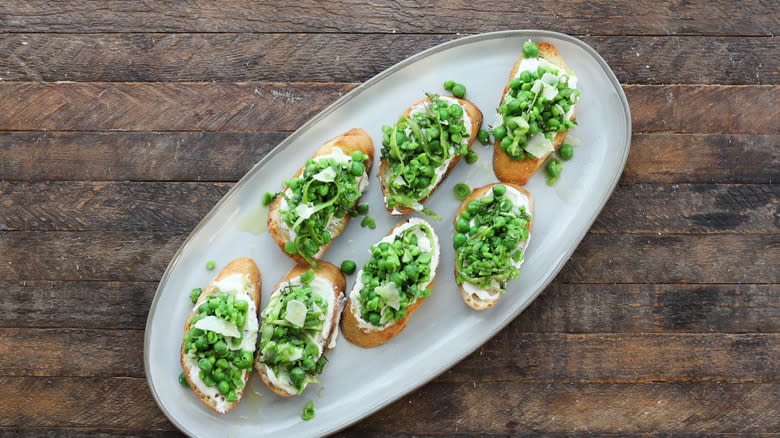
(459, 240)
(348, 267)
(566, 151)
(448, 85)
(459, 90)
(483, 136)
(554, 168)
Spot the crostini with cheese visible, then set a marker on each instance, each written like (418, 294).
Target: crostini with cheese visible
(218, 346)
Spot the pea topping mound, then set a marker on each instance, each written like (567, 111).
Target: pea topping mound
(394, 276)
(327, 188)
(291, 322)
(214, 334)
(420, 144)
(487, 235)
(535, 108)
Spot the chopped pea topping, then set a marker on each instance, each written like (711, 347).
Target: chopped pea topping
(535, 109)
(287, 346)
(308, 411)
(195, 294)
(488, 234)
(419, 145)
(328, 188)
(394, 275)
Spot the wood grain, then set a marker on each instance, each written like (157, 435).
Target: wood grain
(70, 304)
(227, 156)
(92, 432)
(518, 407)
(606, 17)
(316, 57)
(150, 206)
(600, 258)
(514, 356)
(262, 106)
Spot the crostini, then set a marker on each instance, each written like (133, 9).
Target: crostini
(220, 334)
(299, 325)
(319, 199)
(421, 148)
(536, 111)
(492, 230)
(395, 280)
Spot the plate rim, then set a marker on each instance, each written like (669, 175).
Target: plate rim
(557, 266)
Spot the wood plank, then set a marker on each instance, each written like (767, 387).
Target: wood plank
(121, 402)
(439, 408)
(70, 304)
(513, 356)
(621, 358)
(316, 57)
(87, 206)
(87, 432)
(129, 156)
(169, 106)
(683, 208)
(607, 17)
(71, 352)
(263, 106)
(710, 109)
(695, 158)
(600, 258)
(149, 206)
(227, 156)
(653, 308)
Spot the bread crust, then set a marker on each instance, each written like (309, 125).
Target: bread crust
(242, 265)
(471, 300)
(334, 275)
(355, 139)
(369, 338)
(519, 171)
(384, 167)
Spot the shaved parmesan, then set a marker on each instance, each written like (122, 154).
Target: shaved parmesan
(549, 78)
(217, 325)
(304, 211)
(325, 175)
(538, 84)
(296, 312)
(338, 155)
(390, 294)
(539, 145)
(549, 92)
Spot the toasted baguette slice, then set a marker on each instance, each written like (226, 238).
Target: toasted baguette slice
(362, 333)
(241, 274)
(519, 171)
(472, 112)
(475, 297)
(329, 283)
(350, 141)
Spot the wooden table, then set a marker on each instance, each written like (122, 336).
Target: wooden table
(122, 123)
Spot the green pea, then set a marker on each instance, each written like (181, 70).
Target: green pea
(566, 151)
(456, 138)
(297, 375)
(268, 198)
(486, 200)
(461, 191)
(459, 240)
(242, 305)
(554, 168)
(220, 348)
(515, 83)
(499, 132)
(348, 267)
(483, 136)
(473, 206)
(195, 294)
(471, 157)
(231, 396)
(499, 190)
(462, 225)
(362, 208)
(290, 248)
(356, 169)
(459, 90)
(210, 264)
(204, 364)
(357, 156)
(369, 222)
(455, 110)
(183, 380)
(307, 276)
(223, 387)
(448, 85)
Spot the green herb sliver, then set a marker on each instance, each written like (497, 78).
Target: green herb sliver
(415, 147)
(396, 275)
(488, 234)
